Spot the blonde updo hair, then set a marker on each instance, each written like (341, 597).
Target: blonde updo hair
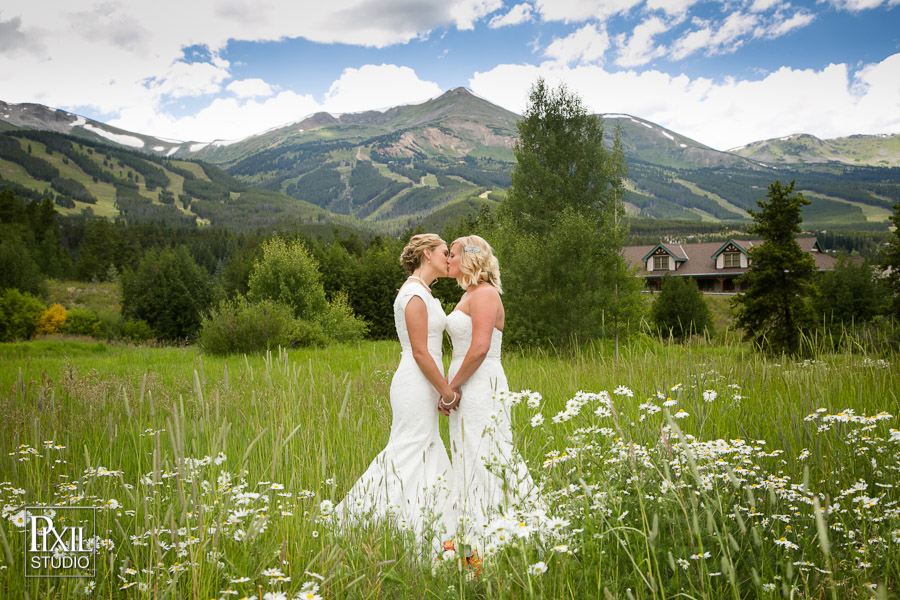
(412, 256)
(477, 263)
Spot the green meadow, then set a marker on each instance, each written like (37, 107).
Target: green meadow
(697, 471)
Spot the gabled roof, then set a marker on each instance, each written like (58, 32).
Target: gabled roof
(668, 251)
(726, 245)
(699, 259)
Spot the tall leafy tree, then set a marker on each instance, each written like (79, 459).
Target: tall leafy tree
(774, 308)
(168, 291)
(679, 309)
(560, 227)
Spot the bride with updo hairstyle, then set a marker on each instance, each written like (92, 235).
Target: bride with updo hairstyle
(408, 482)
(489, 476)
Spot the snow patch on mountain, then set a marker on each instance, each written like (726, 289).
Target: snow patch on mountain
(125, 140)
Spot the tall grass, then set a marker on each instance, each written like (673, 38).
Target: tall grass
(211, 473)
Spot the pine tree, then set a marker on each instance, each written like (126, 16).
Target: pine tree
(560, 227)
(774, 308)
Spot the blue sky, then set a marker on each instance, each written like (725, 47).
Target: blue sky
(724, 73)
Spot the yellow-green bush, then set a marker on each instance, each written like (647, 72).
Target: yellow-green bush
(52, 320)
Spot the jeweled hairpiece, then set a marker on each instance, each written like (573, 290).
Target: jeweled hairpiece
(475, 249)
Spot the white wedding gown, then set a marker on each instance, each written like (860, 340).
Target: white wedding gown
(408, 483)
(489, 477)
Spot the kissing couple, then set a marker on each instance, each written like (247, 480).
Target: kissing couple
(413, 483)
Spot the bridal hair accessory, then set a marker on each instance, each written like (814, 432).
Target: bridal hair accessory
(475, 249)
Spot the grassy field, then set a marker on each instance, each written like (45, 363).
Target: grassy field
(704, 471)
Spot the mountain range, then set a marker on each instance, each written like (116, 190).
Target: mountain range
(387, 170)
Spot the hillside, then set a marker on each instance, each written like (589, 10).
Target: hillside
(871, 150)
(87, 177)
(442, 159)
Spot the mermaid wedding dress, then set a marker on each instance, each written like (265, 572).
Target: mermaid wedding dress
(408, 484)
(489, 477)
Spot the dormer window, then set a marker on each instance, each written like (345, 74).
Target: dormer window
(661, 263)
(732, 259)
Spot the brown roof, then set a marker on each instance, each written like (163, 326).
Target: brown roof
(699, 259)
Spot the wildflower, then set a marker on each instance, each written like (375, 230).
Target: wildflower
(561, 548)
(699, 556)
(675, 387)
(784, 542)
(669, 403)
(538, 568)
(710, 395)
(308, 595)
(240, 580)
(277, 486)
(683, 563)
(326, 507)
(620, 391)
(19, 519)
(272, 573)
(275, 596)
(681, 414)
(768, 587)
(537, 420)
(89, 587)
(220, 458)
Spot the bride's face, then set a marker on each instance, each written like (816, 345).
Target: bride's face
(440, 259)
(453, 264)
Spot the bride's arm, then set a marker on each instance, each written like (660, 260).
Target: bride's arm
(484, 305)
(416, 315)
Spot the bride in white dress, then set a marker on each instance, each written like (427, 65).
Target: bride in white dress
(489, 478)
(408, 483)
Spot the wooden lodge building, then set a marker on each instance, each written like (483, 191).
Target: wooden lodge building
(714, 265)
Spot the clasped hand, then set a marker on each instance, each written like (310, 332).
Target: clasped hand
(449, 402)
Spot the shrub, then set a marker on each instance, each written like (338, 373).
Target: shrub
(679, 310)
(81, 321)
(19, 315)
(339, 323)
(308, 333)
(288, 274)
(51, 321)
(240, 325)
(169, 291)
(136, 330)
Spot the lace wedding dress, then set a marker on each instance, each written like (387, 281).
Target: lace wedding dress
(489, 477)
(408, 482)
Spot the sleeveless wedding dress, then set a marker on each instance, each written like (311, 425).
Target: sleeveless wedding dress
(408, 483)
(489, 477)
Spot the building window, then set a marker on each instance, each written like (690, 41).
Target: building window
(661, 263)
(732, 259)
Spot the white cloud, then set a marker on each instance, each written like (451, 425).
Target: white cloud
(520, 13)
(860, 5)
(465, 14)
(692, 42)
(640, 49)
(119, 54)
(374, 87)
(587, 45)
(672, 7)
(192, 79)
(574, 11)
(223, 118)
(371, 87)
(827, 103)
(249, 88)
(783, 26)
(763, 5)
